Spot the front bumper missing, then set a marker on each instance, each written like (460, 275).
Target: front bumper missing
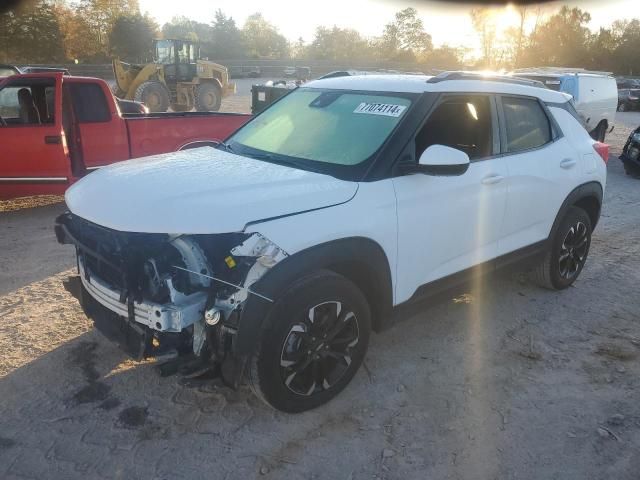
(160, 317)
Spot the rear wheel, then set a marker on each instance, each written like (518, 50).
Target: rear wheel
(600, 132)
(568, 252)
(154, 95)
(316, 339)
(208, 98)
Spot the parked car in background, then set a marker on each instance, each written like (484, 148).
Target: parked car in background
(628, 99)
(274, 255)
(55, 128)
(289, 71)
(627, 83)
(595, 94)
(241, 71)
(631, 154)
(8, 70)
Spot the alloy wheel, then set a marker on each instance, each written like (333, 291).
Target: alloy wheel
(573, 251)
(317, 350)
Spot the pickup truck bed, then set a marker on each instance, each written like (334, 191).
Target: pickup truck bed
(77, 127)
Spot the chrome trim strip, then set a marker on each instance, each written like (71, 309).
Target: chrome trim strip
(33, 179)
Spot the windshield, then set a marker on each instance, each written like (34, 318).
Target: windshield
(323, 126)
(164, 52)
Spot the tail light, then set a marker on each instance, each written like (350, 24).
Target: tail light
(603, 150)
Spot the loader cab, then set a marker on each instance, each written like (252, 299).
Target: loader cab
(179, 59)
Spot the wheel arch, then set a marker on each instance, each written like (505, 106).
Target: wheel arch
(588, 197)
(360, 259)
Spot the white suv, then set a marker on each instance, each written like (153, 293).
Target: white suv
(271, 257)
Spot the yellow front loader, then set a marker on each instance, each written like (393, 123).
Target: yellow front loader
(177, 78)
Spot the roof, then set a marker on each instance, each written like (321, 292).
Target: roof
(419, 84)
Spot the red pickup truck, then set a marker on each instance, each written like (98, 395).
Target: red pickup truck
(54, 129)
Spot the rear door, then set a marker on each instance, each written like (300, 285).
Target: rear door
(33, 157)
(100, 132)
(542, 169)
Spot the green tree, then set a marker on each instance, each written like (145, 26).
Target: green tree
(131, 38)
(183, 28)
(262, 39)
(627, 50)
(30, 33)
(563, 40)
(405, 37)
(226, 38)
(339, 44)
(444, 58)
(101, 16)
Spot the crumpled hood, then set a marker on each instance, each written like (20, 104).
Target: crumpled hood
(202, 190)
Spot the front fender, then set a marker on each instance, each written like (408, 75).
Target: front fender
(356, 258)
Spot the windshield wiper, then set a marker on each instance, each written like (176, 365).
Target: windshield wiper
(226, 146)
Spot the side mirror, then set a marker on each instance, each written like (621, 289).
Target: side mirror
(439, 160)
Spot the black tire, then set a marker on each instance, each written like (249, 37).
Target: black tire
(337, 338)
(154, 95)
(600, 132)
(568, 252)
(208, 97)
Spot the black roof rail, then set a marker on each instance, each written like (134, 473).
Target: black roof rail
(446, 76)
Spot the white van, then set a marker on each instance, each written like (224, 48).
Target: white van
(595, 94)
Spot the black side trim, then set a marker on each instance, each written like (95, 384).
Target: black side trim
(357, 258)
(441, 285)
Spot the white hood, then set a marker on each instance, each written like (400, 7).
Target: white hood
(202, 190)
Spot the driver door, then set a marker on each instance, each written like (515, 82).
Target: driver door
(447, 224)
(34, 157)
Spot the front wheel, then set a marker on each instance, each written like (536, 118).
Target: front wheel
(154, 95)
(208, 98)
(568, 252)
(315, 341)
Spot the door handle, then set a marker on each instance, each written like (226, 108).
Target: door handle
(492, 179)
(567, 163)
(53, 139)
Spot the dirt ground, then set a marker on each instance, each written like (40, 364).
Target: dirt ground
(500, 380)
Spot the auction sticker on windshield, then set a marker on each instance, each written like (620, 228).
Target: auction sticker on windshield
(386, 109)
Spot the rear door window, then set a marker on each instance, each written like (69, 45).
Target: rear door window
(89, 103)
(526, 124)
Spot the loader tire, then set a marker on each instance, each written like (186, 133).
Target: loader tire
(154, 95)
(208, 97)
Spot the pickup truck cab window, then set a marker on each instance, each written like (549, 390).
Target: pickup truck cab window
(317, 128)
(27, 103)
(89, 102)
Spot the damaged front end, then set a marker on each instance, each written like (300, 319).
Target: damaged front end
(169, 296)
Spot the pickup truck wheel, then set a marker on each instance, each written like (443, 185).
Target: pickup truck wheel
(315, 341)
(208, 98)
(568, 253)
(154, 95)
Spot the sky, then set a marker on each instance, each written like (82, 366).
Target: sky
(447, 23)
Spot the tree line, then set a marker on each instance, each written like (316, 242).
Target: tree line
(94, 31)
